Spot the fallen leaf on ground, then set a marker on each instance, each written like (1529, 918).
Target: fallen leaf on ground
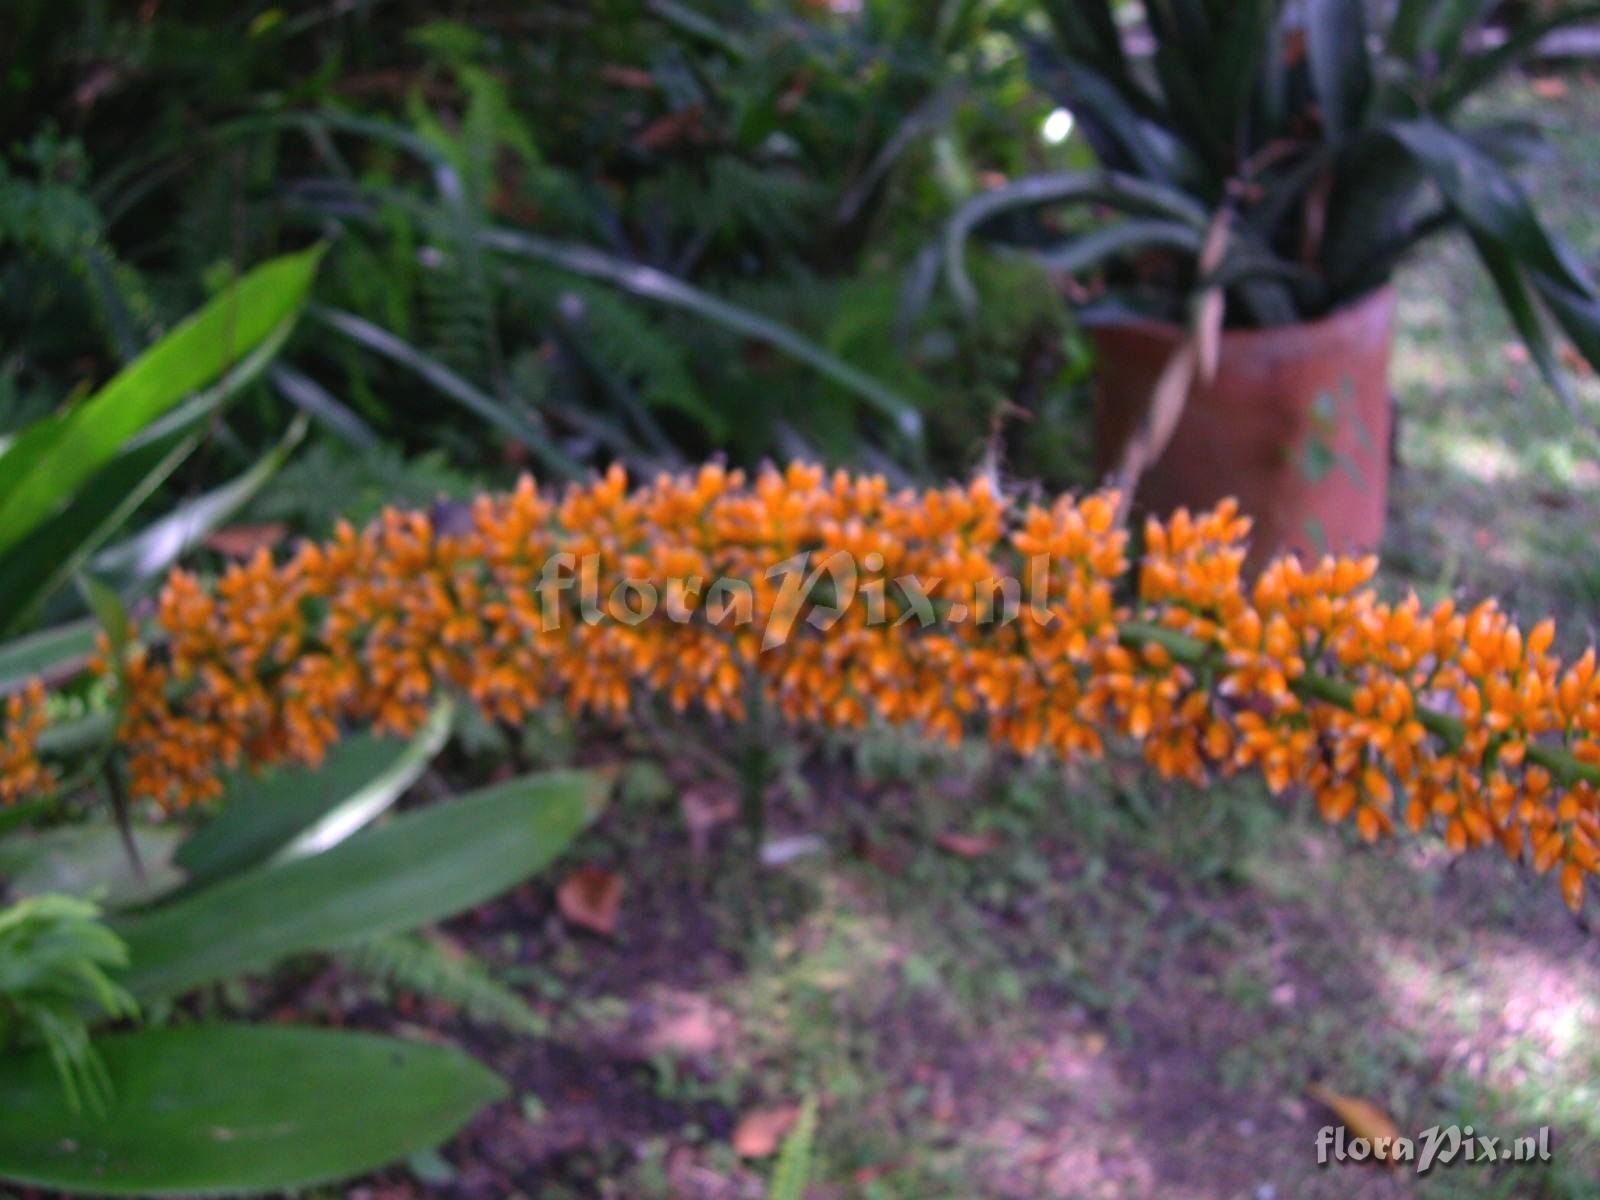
(968, 845)
(685, 1023)
(591, 898)
(761, 1131)
(1362, 1118)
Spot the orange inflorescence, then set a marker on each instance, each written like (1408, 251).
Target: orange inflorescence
(21, 773)
(833, 600)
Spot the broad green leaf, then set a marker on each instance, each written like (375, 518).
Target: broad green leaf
(92, 861)
(79, 735)
(236, 1109)
(45, 465)
(156, 547)
(1489, 200)
(1510, 281)
(47, 650)
(51, 553)
(292, 811)
(1379, 188)
(421, 867)
(1341, 72)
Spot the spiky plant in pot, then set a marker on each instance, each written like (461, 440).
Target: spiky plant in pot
(1272, 163)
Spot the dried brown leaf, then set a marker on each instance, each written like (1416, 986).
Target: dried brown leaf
(591, 898)
(761, 1131)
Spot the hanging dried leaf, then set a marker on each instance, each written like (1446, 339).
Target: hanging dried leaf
(1166, 405)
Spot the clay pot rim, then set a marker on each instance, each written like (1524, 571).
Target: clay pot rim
(1382, 296)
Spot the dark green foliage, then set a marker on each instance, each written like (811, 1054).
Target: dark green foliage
(773, 162)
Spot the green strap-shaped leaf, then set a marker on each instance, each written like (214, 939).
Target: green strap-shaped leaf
(43, 467)
(523, 426)
(1092, 249)
(91, 861)
(422, 867)
(1578, 316)
(1409, 27)
(1450, 24)
(1471, 74)
(1088, 31)
(1124, 138)
(1129, 194)
(158, 545)
(1512, 284)
(1341, 70)
(41, 562)
(309, 809)
(52, 649)
(658, 287)
(1489, 200)
(235, 1109)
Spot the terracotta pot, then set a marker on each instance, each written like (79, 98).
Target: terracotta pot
(1296, 425)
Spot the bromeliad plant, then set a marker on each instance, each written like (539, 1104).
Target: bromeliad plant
(1286, 156)
(832, 600)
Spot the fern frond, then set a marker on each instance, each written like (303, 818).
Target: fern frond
(430, 968)
(793, 1172)
(459, 297)
(53, 955)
